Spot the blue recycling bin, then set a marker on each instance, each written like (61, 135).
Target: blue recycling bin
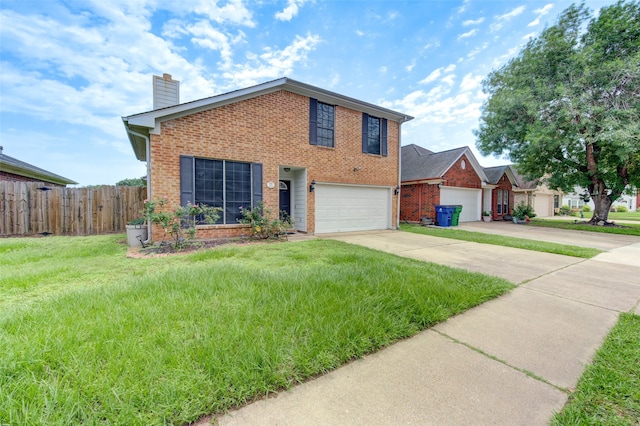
(443, 215)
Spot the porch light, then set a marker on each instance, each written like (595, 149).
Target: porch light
(312, 186)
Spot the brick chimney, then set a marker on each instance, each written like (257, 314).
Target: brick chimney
(166, 91)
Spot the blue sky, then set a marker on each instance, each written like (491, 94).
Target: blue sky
(69, 70)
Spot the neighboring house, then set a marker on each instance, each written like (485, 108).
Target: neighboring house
(545, 201)
(329, 161)
(575, 201)
(499, 191)
(12, 169)
(451, 177)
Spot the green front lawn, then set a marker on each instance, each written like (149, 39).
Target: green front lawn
(500, 240)
(608, 392)
(88, 336)
(624, 229)
(618, 216)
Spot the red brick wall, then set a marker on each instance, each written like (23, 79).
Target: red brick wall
(462, 178)
(12, 177)
(272, 129)
(418, 201)
(505, 184)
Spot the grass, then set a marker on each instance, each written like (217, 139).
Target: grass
(618, 215)
(499, 240)
(608, 392)
(625, 229)
(89, 336)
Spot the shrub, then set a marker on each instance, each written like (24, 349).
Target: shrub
(522, 211)
(586, 208)
(262, 225)
(565, 210)
(180, 223)
(621, 209)
(137, 221)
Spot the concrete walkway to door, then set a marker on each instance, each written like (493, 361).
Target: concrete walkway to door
(512, 360)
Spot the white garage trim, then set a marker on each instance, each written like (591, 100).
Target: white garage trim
(469, 198)
(344, 208)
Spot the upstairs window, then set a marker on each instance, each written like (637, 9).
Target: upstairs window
(321, 123)
(374, 135)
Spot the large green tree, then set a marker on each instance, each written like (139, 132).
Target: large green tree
(567, 107)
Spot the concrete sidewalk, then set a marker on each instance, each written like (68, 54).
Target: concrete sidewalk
(512, 360)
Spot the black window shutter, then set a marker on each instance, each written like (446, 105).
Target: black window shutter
(313, 121)
(383, 137)
(365, 132)
(256, 182)
(186, 180)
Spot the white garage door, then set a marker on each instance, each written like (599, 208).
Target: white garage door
(469, 199)
(343, 208)
(542, 205)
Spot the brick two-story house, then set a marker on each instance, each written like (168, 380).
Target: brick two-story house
(329, 161)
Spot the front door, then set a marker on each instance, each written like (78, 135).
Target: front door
(285, 199)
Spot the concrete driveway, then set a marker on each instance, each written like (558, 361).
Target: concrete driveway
(596, 240)
(515, 265)
(512, 360)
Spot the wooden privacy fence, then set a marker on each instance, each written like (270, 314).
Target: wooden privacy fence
(30, 208)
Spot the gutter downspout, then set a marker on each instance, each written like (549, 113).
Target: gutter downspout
(148, 149)
(404, 120)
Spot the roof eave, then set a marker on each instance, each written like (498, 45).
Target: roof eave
(149, 119)
(59, 180)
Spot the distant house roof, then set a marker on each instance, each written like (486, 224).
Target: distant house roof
(522, 183)
(138, 126)
(420, 164)
(20, 168)
(495, 173)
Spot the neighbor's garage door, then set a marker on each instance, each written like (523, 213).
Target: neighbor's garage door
(343, 208)
(542, 205)
(470, 199)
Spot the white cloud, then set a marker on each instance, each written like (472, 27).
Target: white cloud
(473, 22)
(271, 63)
(293, 6)
(528, 36)
(540, 13)
(511, 14)
(435, 74)
(472, 54)
(544, 9)
(449, 79)
(411, 66)
(233, 12)
(359, 33)
(468, 34)
(496, 26)
(383, 69)
(470, 82)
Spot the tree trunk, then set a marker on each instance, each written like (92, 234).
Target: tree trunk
(602, 205)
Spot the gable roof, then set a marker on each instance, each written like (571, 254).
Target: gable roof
(495, 173)
(20, 168)
(139, 126)
(522, 183)
(420, 164)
